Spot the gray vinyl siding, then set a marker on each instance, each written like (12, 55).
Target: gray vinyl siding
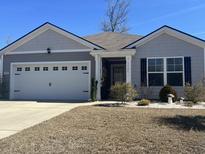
(169, 46)
(50, 39)
(72, 56)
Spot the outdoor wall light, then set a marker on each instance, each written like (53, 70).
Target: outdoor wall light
(48, 50)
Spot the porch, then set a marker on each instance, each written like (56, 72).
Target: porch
(113, 71)
(112, 67)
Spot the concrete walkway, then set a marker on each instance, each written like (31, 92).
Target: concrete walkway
(17, 115)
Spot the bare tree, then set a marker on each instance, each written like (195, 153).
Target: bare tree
(116, 16)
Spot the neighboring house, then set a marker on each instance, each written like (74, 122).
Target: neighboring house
(50, 63)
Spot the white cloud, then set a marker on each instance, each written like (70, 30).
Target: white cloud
(173, 14)
(199, 33)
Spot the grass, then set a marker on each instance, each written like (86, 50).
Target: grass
(97, 129)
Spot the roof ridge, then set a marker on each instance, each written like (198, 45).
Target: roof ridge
(118, 33)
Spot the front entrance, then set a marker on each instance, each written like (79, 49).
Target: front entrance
(113, 71)
(118, 74)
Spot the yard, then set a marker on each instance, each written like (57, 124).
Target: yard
(97, 129)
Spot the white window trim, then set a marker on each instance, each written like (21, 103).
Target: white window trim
(165, 70)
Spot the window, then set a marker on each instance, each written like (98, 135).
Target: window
(174, 64)
(75, 68)
(27, 68)
(45, 68)
(18, 69)
(84, 68)
(162, 71)
(64, 68)
(156, 79)
(155, 65)
(175, 71)
(155, 72)
(55, 68)
(37, 68)
(175, 79)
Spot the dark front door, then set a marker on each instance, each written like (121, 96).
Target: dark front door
(118, 73)
(113, 70)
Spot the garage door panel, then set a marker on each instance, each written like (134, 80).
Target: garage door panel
(52, 84)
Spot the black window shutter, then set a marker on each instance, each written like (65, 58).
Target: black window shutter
(187, 70)
(143, 72)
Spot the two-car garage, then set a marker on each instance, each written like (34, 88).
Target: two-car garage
(50, 80)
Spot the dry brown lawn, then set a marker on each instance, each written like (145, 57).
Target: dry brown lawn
(95, 129)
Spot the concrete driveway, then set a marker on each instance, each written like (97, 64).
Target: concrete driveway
(17, 115)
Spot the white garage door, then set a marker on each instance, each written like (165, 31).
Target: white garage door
(50, 81)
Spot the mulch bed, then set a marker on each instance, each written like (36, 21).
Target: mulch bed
(96, 129)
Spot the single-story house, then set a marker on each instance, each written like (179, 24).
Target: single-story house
(50, 63)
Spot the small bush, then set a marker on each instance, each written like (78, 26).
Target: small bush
(189, 104)
(123, 92)
(143, 102)
(165, 91)
(195, 93)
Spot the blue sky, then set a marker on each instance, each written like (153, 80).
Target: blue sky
(83, 17)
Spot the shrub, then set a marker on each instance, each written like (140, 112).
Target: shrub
(93, 89)
(188, 104)
(195, 93)
(3, 89)
(123, 92)
(143, 102)
(165, 91)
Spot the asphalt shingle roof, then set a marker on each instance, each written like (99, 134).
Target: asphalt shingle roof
(112, 41)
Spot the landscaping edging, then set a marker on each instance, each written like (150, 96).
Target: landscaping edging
(200, 106)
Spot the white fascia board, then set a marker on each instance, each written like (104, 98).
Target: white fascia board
(45, 51)
(123, 53)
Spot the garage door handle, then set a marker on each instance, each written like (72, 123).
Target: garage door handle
(17, 74)
(85, 91)
(85, 73)
(16, 91)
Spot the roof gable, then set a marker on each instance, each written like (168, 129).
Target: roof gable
(170, 31)
(50, 39)
(43, 28)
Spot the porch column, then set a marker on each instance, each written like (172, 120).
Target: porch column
(128, 69)
(98, 65)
